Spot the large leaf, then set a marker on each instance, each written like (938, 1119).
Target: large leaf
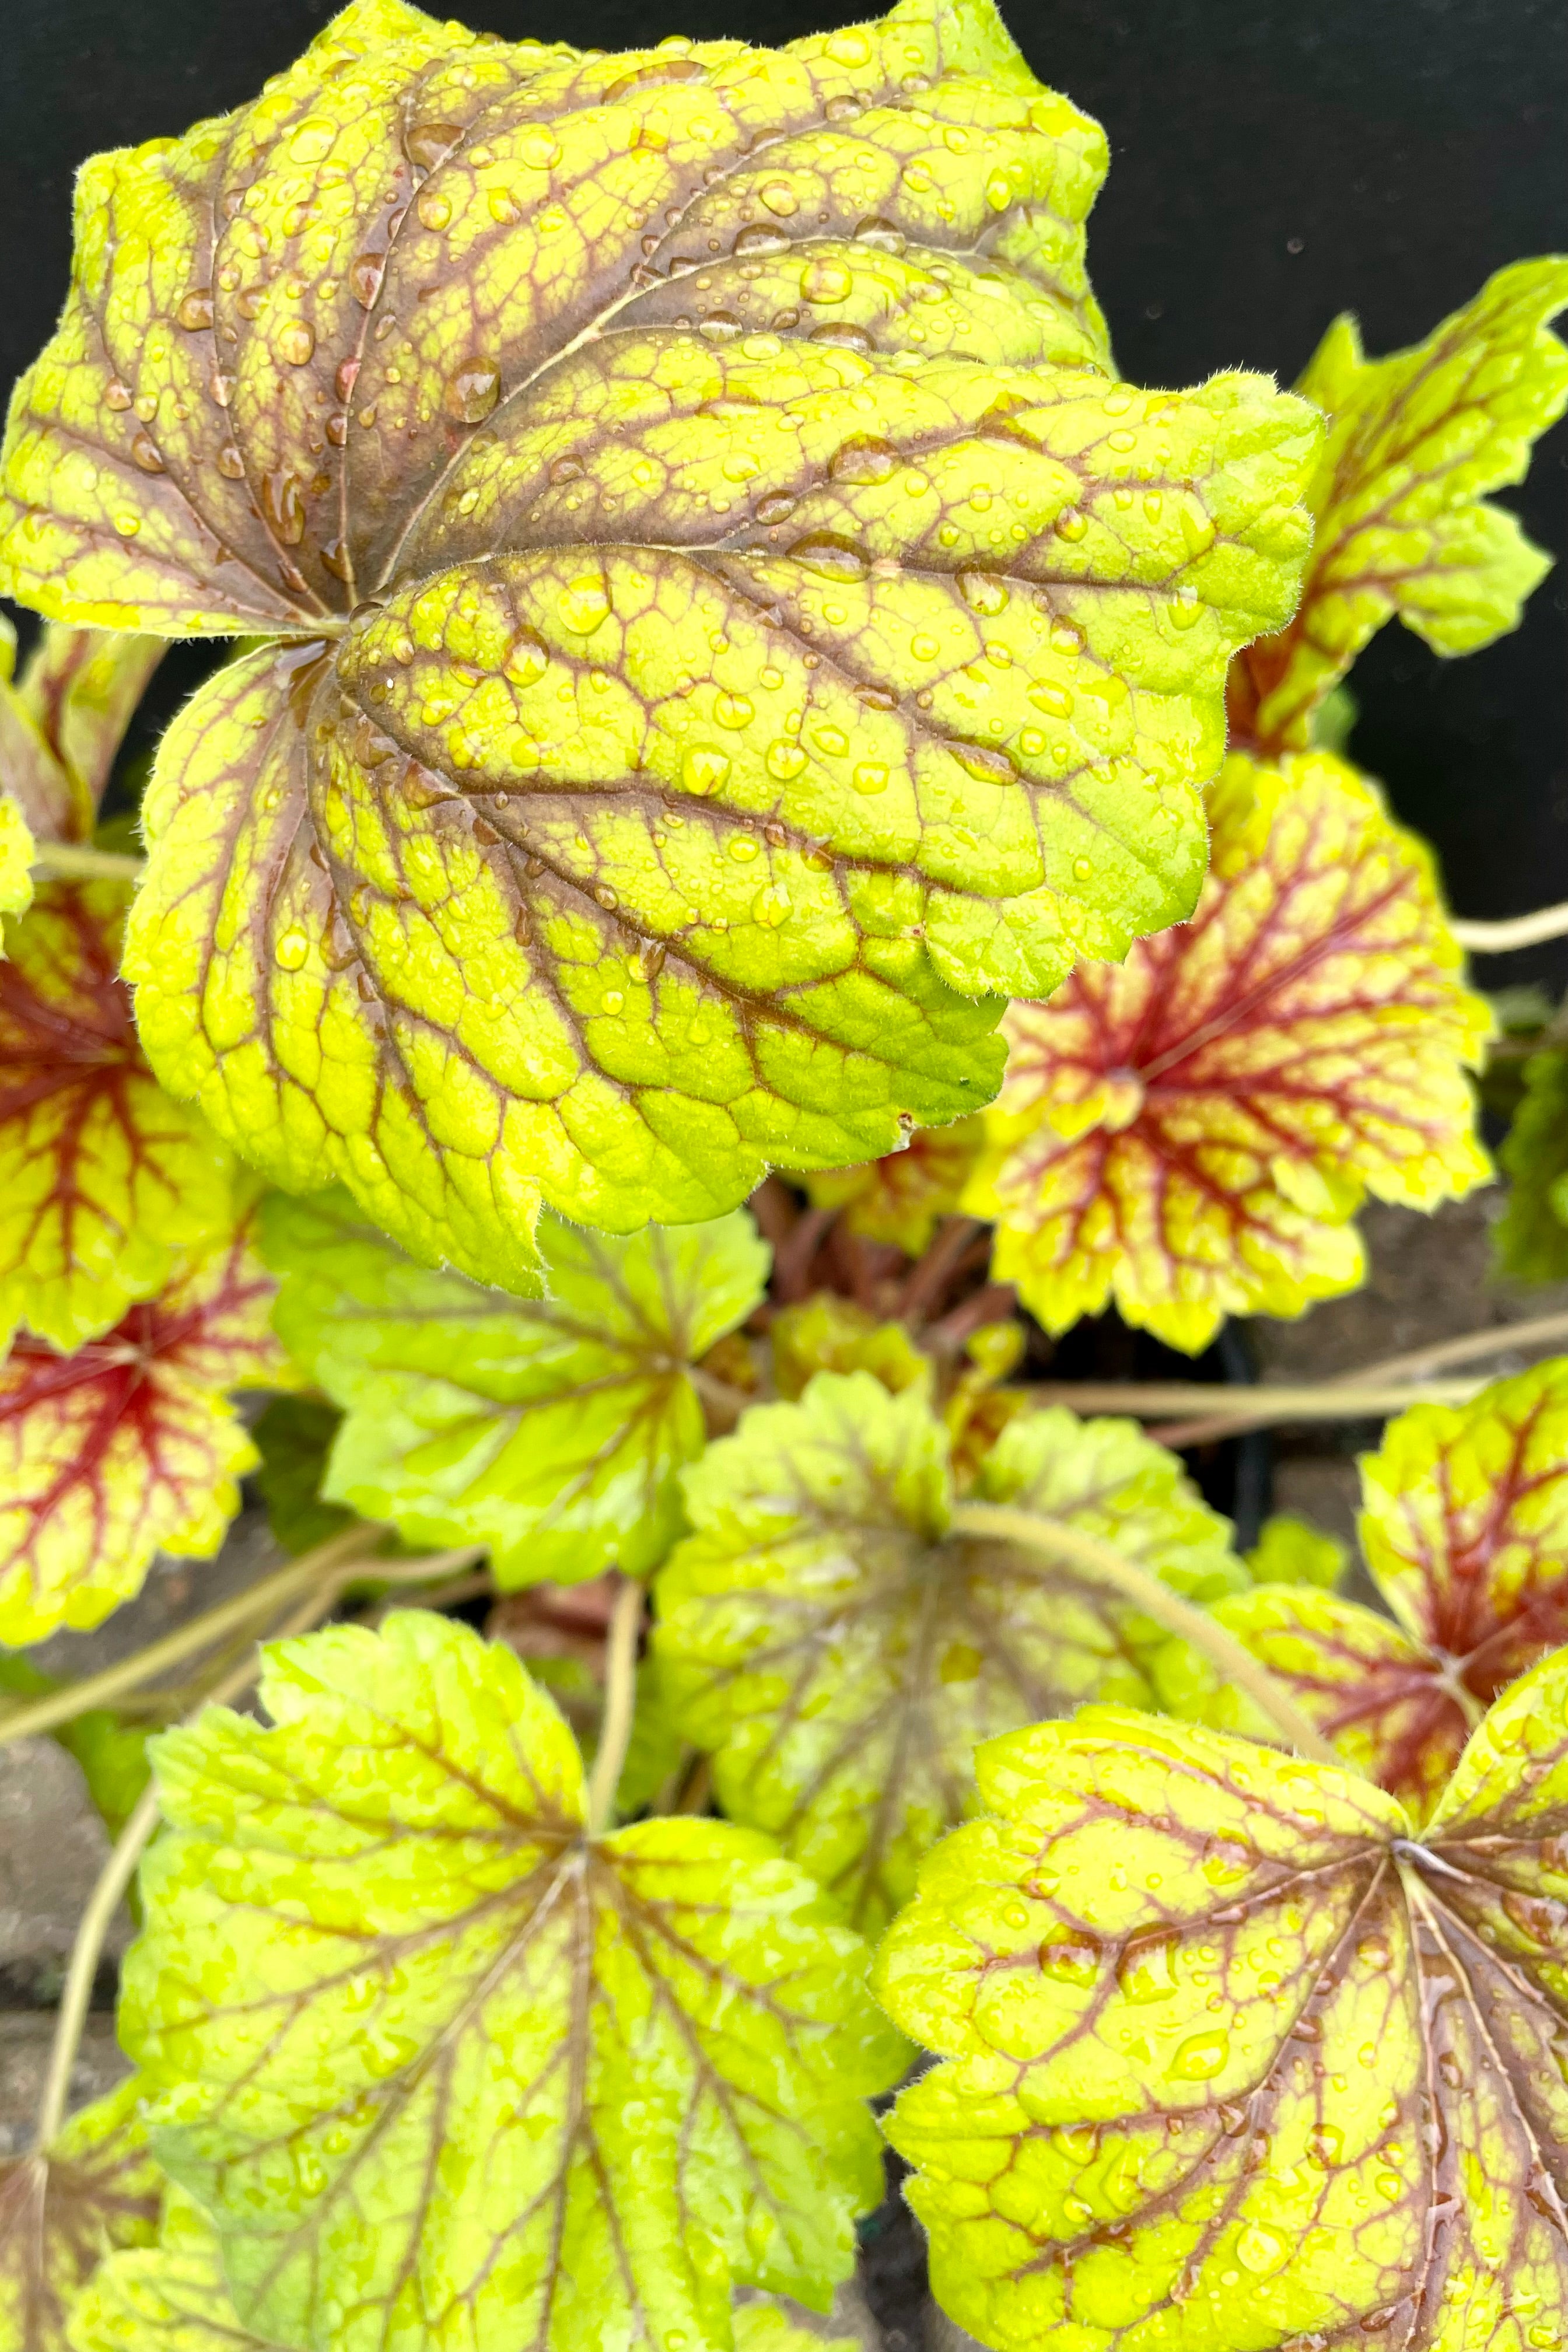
(841, 1651)
(104, 1178)
(448, 2072)
(1189, 1132)
(63, 2208)
(1235, 2059)
(551, 1429)
(128, 1447)
(1402, 525)
(733, 626)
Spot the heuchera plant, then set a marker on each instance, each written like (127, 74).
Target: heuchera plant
(730, 679)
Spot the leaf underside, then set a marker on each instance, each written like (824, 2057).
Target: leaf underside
(444, 2072)
(1189, 1133)
(1232, 2056)
(731, 627)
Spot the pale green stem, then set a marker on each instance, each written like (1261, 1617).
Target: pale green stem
(72, 861)
(1515, 931)
(1107, 1566)
(620, 1698)
(1316, 1401)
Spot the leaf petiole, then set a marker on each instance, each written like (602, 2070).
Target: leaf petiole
(1107, 1566)
(620, 1696)
(72, 861)
(1513, 932)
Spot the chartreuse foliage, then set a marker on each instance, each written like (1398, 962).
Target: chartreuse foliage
(1190, 1132)
(1289, 1550)
(1402, 524)
(551, 1429)
(446, 2070)
(1532, 1234)
(1236, 2057)
(129, 1446)
(1465, 1532)
(901, 1198)
(841, 1649)
(727, 626)
(63, 2208)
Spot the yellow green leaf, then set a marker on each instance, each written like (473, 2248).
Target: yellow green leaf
(733, 625)
(64, 2208)
(170, 2297)
(128, 1447)
(830, 1334)
(841, 1650)
(1532, 1234)
(1234, 2056)
(1402, 527)
(105, 1179)
(902, 1197)
(550, 1430)
(1290, 1550)
(446, 2070)
(16, 858)
(761, 2326)
(1189, 1133)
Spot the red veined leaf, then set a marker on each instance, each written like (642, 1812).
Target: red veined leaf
(63, 2208)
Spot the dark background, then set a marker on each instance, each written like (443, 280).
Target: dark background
(1274, 161)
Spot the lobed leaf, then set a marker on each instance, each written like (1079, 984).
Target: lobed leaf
(1190, 1133)
(902, 1197)
(550, 1430)
(731, 626)
(1289, 1550)
(62, 724)
(444, 2070)
(1532, 1235)
(840, 1652)
(128, 1447)
(171, 2297)
(64, 2208)
(1234, 2058)
(1403, 528)
(827, 1333)
(104, 1180)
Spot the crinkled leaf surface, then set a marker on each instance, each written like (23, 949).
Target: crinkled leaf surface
(171, 2297)
(62, 721)
(128, 1447)
(448, 2072)
(1189, 1132)
(902, 1197)
(830, 1334)
(103, 1177)
(551, 1429)
(1236, 2059)
(841, 1651)
(63, 2208)
(1402, 527)
(1532, 1234)
(1289, 1550)
(734, 625)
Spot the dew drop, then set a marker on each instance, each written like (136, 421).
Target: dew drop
(117, 394)
(770, 905)
(924, 649)
(998, 191)
(826, 281)
(1070, 524)
(526, 660)
(312, 141)
(291, 948)
(864, 459)
(1199, 2057)
(366, 271)
(831, 741)
(283, 506)
(734, 711)
(425, 143)
(1053, 700)
(870, 776)
(830, 556)
(848, 48)
(982, 592)
(126, 524)
(779, 197)
(434, 211)
(759, 238)
(703, 768)
(472, 392)
(918, 176)
(844, 337)
(1069, 1957)
(144, 449)
(230, 464)
(875, 230)
(296, 341)
(195, 311)
(775, 509)
(583, 604)
(612, 1002)
(784, 759)
(743, 848)
(1066, 637)
(539, 149)
(1261, 2251)
(1185, 609)
(566, 470)
(986, 763)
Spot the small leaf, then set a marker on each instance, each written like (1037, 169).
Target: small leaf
(16, 859)
(294, 1439)
(1190, 1132)
(1289, 1550)
(830, 1334)
(129, 1447)
(551, 1429)
(1233, 2057)
(761, 2326)
(105, 1179)
(1532, 1235)
(841, 1652)
(62, 721)
(1464, 1525)
(1402, 525)
(1385, 1699)
(902, 1197)
(444, 2070)
(65, 2208)
(639, 794)
(171, 2297)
